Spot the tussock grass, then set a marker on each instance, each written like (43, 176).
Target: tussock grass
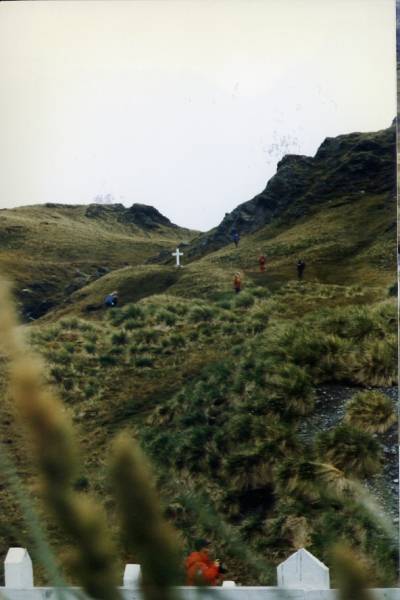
(371, 412)
(215, 393)
(374, 362)
(353, 451)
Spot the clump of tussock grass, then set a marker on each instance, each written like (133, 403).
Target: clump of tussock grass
(57, 373)
(351, 322)
(260, 292)
(200, 313)
(292, 391)
(177, 340)
(180, 308)
(143, 524)
(90, 348)
(74, 324)
(92, 337)
(261, 312)
(298, 477)
(167, 317)
(149, 334)
(224, 304)
(249, 468)
(132, 312)
(131, 324)
(371, 412)
(354, 452)
(374, 363)
(62, 356)
(206, 329)
(144, 361)
(107, 360)
(229, 328)
(49, 334)
(312, 481)
(71, 323)
(321, 354)
(90, 390)
(119, 338)
(70, 347)
(244, 300)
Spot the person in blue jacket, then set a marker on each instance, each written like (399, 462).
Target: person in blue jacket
(111, 300)
(235, 237)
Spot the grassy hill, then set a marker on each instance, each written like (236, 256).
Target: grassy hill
(217, 392)
(344, 170)
(50, 250)
(222, 390)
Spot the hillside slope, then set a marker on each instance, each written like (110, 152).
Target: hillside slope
(50, 250)
(230, 394)
(220, 394)
(345, 170)
(343, 244)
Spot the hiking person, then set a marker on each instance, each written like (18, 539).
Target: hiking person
(301, 265)
(261, 261)
(235, 237)
(200, 568)
(111, 300)
(237, 283)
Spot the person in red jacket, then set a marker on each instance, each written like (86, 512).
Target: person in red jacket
(200, 568)
(261, 261)
(237, 283)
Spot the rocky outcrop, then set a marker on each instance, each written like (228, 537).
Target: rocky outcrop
(349, 165)
(141, 215)
(146, 217)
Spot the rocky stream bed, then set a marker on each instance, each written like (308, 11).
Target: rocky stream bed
(329, 410)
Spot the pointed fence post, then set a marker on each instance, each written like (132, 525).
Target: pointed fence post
(132, 576)
(18, 572)
(303, 570)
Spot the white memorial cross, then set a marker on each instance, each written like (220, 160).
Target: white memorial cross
(178, 255)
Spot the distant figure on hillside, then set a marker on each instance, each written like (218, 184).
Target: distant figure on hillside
(237, 283)
(200, 568)
(111, 300)
(235, 237)
(301, 265)
(262, 261)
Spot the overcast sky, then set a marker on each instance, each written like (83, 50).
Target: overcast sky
(184, 105)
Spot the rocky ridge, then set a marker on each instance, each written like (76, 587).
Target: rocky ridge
(348, 167)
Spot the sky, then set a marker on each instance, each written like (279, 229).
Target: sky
(184, 105)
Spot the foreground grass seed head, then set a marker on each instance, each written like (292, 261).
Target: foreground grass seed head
(147, 535)
(54, 451)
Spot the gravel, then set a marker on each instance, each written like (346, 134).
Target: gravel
(329, 410)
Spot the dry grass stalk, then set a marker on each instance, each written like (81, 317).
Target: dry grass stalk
(147, 534)
(54, 452)
(352, 575)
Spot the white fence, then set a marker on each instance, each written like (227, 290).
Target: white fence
(300, 577)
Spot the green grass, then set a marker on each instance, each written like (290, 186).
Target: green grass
(46, 250)
(215, 386)
(371, 412)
